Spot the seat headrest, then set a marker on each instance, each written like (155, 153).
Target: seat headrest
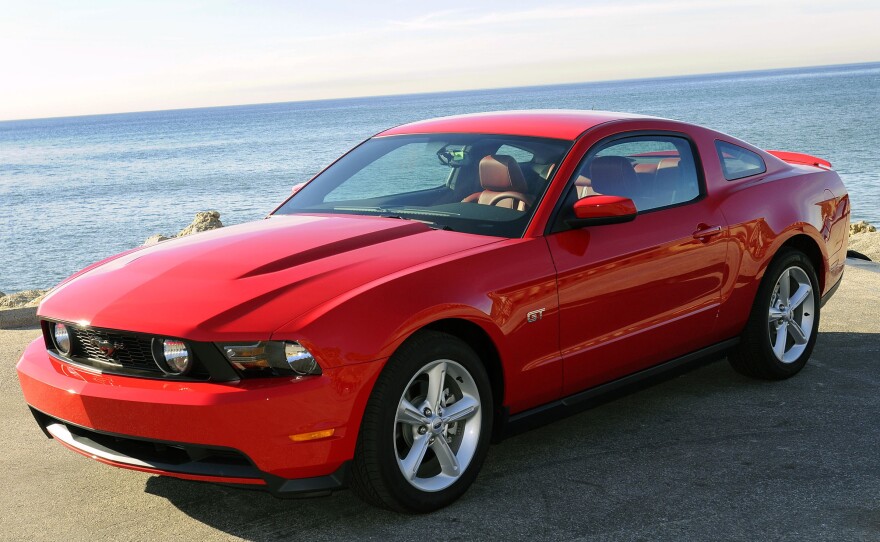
(613, 176)
(501, 173)
(668, 163)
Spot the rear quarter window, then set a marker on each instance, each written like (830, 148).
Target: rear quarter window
(737, 162)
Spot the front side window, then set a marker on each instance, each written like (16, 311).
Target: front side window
(474, 183)
(653, 171)
(737, 162)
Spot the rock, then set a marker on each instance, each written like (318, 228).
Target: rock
(155, 239)
(204, 221)
(861, 227)
(868, 243)
(2, 294)
(27, 298)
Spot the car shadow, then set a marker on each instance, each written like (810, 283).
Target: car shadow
(706, 451)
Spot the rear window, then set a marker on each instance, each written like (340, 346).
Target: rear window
(737, 162)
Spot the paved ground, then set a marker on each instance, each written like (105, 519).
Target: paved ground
(706, 455)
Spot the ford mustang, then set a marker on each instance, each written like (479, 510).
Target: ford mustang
(442, 284)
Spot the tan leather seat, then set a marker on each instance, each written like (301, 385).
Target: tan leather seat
(614, 176)
(646, 168)
(584, 187)
(503, 184)
(667, 181)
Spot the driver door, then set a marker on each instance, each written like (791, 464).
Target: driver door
(636, 294)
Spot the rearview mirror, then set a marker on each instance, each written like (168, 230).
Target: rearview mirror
(296, 188)
(598, 210)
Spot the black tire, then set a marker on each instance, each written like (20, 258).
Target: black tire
(377, 473)
(754, 356)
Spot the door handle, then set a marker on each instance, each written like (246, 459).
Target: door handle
(704, 232)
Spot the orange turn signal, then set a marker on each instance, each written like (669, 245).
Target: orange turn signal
(314, 435)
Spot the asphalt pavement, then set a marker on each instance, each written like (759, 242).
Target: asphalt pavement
(708, 455)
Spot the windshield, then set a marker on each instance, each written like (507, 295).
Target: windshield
(484, 184)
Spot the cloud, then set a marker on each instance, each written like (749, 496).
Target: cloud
(443, 20)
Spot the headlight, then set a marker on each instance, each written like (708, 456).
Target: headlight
(300, 360)
(61, 337)
(176, 358)
(271, 357)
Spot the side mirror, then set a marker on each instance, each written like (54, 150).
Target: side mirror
(296, 188)
(598, 210)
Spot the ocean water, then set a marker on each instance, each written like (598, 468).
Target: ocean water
(75, 190)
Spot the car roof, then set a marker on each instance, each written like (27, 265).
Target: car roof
(552, 123)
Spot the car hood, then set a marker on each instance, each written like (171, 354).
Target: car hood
(245, 281)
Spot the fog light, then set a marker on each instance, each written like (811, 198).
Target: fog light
(300, 360)
(176, 357)
(61, 336)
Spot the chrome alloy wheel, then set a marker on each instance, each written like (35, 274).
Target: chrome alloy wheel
(437, 425)
(792, 310)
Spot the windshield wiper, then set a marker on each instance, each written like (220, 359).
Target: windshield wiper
(361, 209)
(432, 225)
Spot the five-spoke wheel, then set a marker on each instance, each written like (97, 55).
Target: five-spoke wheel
(790, 318)
(426, 427)
(781, 331)
(437, 426)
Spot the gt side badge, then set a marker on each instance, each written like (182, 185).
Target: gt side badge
(535, 315)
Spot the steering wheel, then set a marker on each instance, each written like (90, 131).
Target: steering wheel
(516, 196)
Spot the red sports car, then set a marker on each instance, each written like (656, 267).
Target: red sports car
(441, 284)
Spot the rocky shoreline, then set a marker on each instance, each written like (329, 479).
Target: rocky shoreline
(864, 239)
(204, 221)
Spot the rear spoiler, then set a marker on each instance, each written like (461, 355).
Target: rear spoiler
(801, 158)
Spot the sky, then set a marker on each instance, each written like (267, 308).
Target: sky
(62, 58)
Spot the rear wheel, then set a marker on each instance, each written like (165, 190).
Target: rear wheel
(426, 427)
(784, 322)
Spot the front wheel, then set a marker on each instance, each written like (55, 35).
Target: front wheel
(426, 426)
(784, 322)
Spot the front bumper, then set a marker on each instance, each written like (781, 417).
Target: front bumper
(232, 433)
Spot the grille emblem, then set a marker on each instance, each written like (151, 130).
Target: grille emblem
(107, 347)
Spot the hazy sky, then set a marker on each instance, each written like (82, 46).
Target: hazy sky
(88, 56)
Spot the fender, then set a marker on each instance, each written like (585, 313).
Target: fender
(789, 204)
(517, 278)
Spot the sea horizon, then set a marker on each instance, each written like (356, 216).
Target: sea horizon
(699, 75)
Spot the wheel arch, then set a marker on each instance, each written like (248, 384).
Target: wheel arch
(810, 248)
(751, 270)
(477, 338)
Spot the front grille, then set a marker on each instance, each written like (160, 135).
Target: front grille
(129, 351)
(131, 354)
